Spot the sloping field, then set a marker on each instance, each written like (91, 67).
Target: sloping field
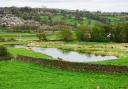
(25, 75)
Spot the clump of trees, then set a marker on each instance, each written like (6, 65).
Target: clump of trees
(119, 33)
(4, 54)
(99, 33)
(2, 39)
(83, 32)
(66, 34)
(103, 33)
(42, 36)
(93, 32)
(3, 51)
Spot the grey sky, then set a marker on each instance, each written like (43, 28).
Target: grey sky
(92, 5)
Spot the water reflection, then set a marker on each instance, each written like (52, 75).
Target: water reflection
(68, 55)
(71, 55)
(17, 46)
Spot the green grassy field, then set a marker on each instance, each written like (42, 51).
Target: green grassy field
(18, 36)
(13, 42)
(27, 52)
(86, 43)
(68, 20)
(71, 20)
(119, 61)
(28, 36)
(26, 75)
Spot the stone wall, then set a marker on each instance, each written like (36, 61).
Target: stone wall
(76, 66)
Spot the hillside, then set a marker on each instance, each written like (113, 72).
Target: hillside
(62, 17)
(10, 21)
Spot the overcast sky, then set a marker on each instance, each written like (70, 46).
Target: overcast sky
(91, 5)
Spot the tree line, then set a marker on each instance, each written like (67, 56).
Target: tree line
(93, 33)
(28, 13)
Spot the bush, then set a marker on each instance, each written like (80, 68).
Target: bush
(2, 39)
(83, 33)
(99, 33)
(42, 36)
(4, 53)
(124, 32)
(120, 33)
(11, 39)
(66, 34)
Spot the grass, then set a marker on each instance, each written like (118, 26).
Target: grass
(57, 18)
(53, 36)
(18, 35)
(85, 43)
(15, 34)
(44, 17)
(27, 75)
(27, 52)
(14, 42)
(28, 36)
(68, 20)
(71, 19)
(120, 61)
(24, 51)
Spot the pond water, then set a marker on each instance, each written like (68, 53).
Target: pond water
(71, 56)
(17, 46)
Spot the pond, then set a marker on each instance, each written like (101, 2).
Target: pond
(71, 56)
(17, 46)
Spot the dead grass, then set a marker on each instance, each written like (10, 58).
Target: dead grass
(117, 49)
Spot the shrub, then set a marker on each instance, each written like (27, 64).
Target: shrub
(11, 39)
(93, 32)
(66, 34)
(99, 33)
(120, 33)
(4, 54)
(124, 32)
(83, 33)
(42, 36)
(3, 51)
(2, 39)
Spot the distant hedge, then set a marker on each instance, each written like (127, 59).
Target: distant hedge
(103, 33)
